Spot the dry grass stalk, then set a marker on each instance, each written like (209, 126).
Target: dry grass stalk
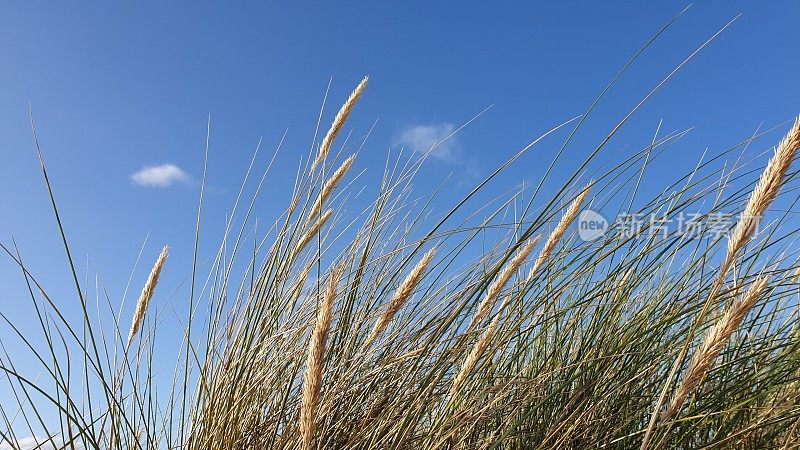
(477, 351)
(329, 186)
(713, 343)
(301, 244)
(763, 195)
(300, 281)
(312, 381)
(147, 294)
(622, 287)
(502, 279)
(401, 295)
(338, 122)
(558, 232)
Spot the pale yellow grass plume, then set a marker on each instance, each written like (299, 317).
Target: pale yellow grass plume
(329, 186)
(300, 281)
(558, 232)
(502, 278)
(147, 294)
(301, 244)
(762, 196)
(712, 344)
(312, 381)
(477, 351)
(623, 283)
(401, 295)
(338, 122)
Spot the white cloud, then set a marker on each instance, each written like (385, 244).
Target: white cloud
(159, 176)
(438, 139)
(421, 138)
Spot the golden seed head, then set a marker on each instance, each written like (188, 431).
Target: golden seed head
(147, 294)
(338, 122)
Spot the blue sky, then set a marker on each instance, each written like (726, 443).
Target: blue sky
(117, 88)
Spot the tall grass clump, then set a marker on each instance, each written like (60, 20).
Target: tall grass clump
(494, 324)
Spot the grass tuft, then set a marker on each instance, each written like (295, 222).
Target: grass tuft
(386, 333)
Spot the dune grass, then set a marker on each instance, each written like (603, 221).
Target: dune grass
(404, 326)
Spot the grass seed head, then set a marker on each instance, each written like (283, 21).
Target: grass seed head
(147, 294)
(338, 123)
(400, 296)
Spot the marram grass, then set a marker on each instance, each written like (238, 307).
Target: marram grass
(405, 327)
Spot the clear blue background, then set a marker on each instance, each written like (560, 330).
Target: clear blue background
(116, 87)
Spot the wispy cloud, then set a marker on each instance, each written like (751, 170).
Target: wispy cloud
(438, 140)
(160, 176)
